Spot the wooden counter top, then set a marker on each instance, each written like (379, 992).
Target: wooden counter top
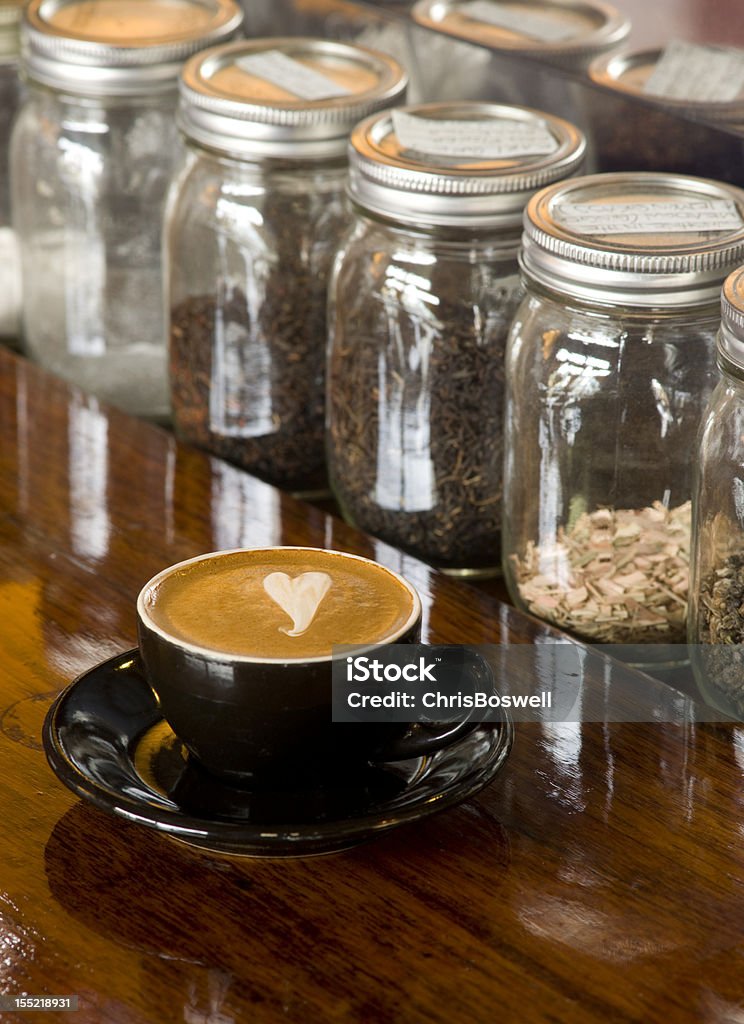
(599, 878)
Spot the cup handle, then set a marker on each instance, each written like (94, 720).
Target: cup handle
(470, 668)
(424, 739)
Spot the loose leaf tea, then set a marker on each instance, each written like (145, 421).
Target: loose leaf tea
(416, 406)
(627, 133)
(249, 280)
(722, 626)
(256, 404)
(615, 576)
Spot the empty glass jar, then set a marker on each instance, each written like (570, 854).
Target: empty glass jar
(716, 632)
(254, 220)
(424, 289)
(93, 152)
(610, 363)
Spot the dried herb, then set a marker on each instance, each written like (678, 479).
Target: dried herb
(615, 576)
(416, 408)
(722, 625)
(263, 414)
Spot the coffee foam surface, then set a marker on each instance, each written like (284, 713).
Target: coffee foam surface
(224, 604)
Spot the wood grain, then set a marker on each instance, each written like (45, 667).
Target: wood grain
(601, 877)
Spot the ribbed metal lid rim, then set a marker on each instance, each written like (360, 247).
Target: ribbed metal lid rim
(437, 184)
(119, 57)
(290, 116)
(463, 183)
(639, 263)
(593, 253)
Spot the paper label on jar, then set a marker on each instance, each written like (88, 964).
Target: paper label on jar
(683, 216)
(489, 140)
(282, 71)
(527, 23)
(705, 74)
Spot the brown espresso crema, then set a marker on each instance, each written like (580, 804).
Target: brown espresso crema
(291, 604)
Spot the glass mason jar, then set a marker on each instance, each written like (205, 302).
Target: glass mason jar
(253, 222)
(93, 152)
(610, 362)
(566, 34)
(423, 291)
(716, 620)
(10, 285)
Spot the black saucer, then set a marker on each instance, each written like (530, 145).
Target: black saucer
(106, 740)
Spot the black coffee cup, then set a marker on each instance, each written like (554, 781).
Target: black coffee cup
(255, 719)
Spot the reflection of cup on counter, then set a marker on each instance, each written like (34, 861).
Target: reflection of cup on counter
(238, 646)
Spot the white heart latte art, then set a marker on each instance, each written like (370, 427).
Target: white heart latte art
(300, 597)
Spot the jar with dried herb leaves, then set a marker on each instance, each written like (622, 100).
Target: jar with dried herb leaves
(610, 363)
(422, 295)
(716, 620)
(254, 221)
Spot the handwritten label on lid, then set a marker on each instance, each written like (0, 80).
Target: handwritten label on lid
(482, 140)
(676, 217)
(277, 68)
(705, 74)
(530, 24)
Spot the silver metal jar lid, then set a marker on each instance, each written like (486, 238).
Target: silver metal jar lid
(558, 30)
(731, 335)
(636, 239)
(120, 47)
(631, 72)
(284, 96)
(460, 163)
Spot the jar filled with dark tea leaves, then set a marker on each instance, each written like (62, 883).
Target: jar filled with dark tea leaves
(610, 363)
(254, 221)
(93, 153)
(423, 292)
(716, 621)
(655, 94)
